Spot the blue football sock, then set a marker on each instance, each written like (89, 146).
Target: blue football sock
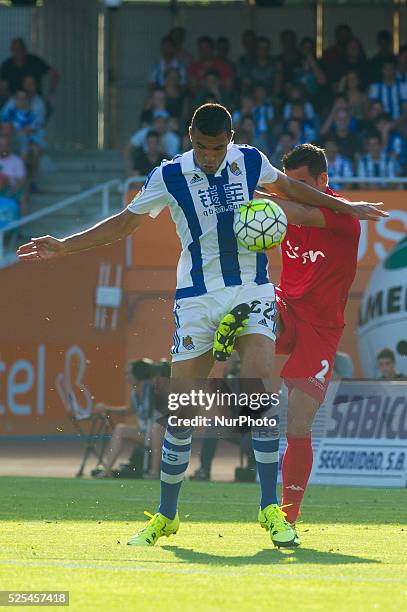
(176, 453)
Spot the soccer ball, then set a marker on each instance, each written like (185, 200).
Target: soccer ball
(260, 225)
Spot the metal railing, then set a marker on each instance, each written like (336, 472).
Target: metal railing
(104, 189)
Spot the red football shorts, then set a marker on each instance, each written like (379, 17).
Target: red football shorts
(312, 351)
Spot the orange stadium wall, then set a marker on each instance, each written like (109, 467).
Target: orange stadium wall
(53, 336)
(49, 341)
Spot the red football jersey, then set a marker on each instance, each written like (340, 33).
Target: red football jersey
(319, 265)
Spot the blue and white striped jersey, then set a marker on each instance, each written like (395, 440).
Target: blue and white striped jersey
(203, 208)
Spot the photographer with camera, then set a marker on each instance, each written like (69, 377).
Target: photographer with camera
(146, 378)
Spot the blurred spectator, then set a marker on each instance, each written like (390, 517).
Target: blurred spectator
(211, 89)
(223, 50)
(339, 166)
(295, 94)
(385, 54)
(21, 64)
(247, 59)
(27, 130)
(177, 36)
(176, 100)
(290, 58)
(257, 139)
(355, 59)
(140, 160)
(295, 128)
(376, 163)
(335, 56)
(246, 107)
(308, 72)
(402, 64)
(12, 173)
(168, 60)
(264, 69)
(340, 127)
(37, 104)
(386, 362)
(390, 92)
(351, 89)
(374, 110)
(284, 144)
(309, 129)
(155, 106)
(169, 139)
(208, 61)
(393, 142)
(263, 111)
(4, 93)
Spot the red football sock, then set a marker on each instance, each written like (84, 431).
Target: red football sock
(296, 470)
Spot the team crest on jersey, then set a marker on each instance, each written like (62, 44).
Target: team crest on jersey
(234, 168)
(188, 343)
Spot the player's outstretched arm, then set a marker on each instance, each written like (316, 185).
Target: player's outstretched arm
(105, 232)
(296, 213)
(296, 190)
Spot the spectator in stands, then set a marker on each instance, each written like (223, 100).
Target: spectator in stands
(4, 94)
(295, 128)
(390, 92)
(208, 61)
(309, 128)
(335, 56)
(296, 94)
(338, 166)
(386, 362)
(309, 73)
(27, 131)
(222, 51)
(338, 127)
(290, 58)
(385, 54)
(355, 60)
(256, 139)
(247, 59)
(177, 36)
(168, 60)
(402, 64)
(376, 163)
(246, 107)
(211, 89)
(156, 106)
(141, 160)
(393, 142)
(169, 139)
(368, 124)
(22, 64)
(285, 143)
(263, 111)
(37, 104)
(12, 175)
(264, 69)
(350, 88)
(176, 99)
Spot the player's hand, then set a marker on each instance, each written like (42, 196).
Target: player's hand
(366, 211)
(45, 247)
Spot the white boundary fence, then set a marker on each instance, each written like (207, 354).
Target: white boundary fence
(105, 188)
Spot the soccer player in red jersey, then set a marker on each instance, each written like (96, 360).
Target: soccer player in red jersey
(318, 268)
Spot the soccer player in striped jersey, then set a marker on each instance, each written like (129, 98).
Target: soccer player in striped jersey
(204, 189)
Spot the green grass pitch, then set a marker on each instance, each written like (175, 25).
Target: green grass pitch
(61, 534)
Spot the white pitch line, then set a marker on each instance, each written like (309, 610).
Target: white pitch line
(203, 572)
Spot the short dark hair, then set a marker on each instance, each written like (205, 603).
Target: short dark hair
(212, 119)
(153, 134)
(308, 155)
(386, 353)
(208, 40)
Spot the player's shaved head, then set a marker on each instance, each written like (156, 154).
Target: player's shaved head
(212, 120)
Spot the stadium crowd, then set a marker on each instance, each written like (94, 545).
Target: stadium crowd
(24, 111)
(355, 106)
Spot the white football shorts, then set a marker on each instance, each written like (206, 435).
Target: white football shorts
(196, 318)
